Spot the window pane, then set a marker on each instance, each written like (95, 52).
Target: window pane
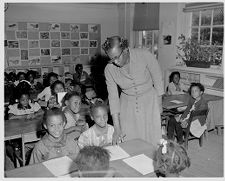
(218, 16)
(217, 35)
(204, 36)
(155, 46)
(216, 58)
(206, 17)
(194, 34)
(195, 18)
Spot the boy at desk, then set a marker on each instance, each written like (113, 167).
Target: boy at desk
(93, 161)
(196, 103)
(55, 143)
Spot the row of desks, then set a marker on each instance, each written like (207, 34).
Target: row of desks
(132, 147)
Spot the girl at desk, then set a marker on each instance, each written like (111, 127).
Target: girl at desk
(55, 143)
(100, 134)
(75, 122)
(25, 108)
(196, 103)
(56, 88)
(175, 87)
(171, 159)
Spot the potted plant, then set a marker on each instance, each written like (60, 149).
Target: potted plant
(196, 54)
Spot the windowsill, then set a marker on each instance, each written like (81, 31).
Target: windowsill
(212, 70)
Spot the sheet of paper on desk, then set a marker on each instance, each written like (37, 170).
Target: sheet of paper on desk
(141, 163)
(59, 166)
(116, 152)
(176, 101)
(60, 96)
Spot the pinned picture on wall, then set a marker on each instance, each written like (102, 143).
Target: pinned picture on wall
(56, 59)
(167, 39)
(44, 70)
(74, 28)
(76, 59)
(24, 54)
(34, 60)
(55, 43)
(93, 43)
(14, 61)
(84, 35)
(44, 35)
(84, 51)
(65, 35)
(65, 51)
(33, 44)
(32, 26)
(13, 44)
(93, 28)
(75, 43)
(45, 52)
(11, 26)
(55, 27)
(21, 34)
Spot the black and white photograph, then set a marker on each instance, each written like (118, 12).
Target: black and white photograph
(124, 89)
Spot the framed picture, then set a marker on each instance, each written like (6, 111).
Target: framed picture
(33, 44)
(93, 28)
(84, 35)
(65, 51)
(14, 61)
(45, 52)
(84, 51)
(13, 44)
(93, 43)
(55, 43)
(44, 35)
(34, 60)
(56, 59)
(75, 43)
(32, 26)
(55, 27)
(24, 54)
(74, 28)
(21, 34)
(65, 35)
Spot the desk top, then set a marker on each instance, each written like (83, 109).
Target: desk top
(185, 99)
(132, 147)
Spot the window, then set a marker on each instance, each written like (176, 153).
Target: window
(207, 28)
(147, 39)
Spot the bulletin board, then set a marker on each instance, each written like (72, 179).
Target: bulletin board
(50, 45)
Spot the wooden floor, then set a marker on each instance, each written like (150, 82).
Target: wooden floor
(206, 161)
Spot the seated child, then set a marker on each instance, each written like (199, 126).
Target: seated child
(93, 161)
(24, 109)
(75, 122)
(196, 103)
(20, 76)
(100, 134)
(171, 159)
(46, 93)
(175, 86)
(31, 77)
(55, 142)
(56, 87)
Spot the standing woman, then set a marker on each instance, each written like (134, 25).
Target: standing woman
(136, 112)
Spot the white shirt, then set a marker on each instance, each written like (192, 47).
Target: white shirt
(45, 93)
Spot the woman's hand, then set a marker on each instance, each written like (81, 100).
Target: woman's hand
(116, 137)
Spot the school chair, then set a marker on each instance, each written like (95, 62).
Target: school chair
(188, 136)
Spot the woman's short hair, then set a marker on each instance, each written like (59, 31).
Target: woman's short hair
(173, 74)
(115, 41)
(174, 160)
(53, 112)
(93, 158)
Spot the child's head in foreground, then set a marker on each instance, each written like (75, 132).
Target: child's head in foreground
(54, 121)
(171, 158)
(93, 161)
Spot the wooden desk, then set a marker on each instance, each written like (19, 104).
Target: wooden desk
(132, 147)
(184, 98)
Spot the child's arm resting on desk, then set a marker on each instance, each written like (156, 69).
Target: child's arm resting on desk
(12, 116)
